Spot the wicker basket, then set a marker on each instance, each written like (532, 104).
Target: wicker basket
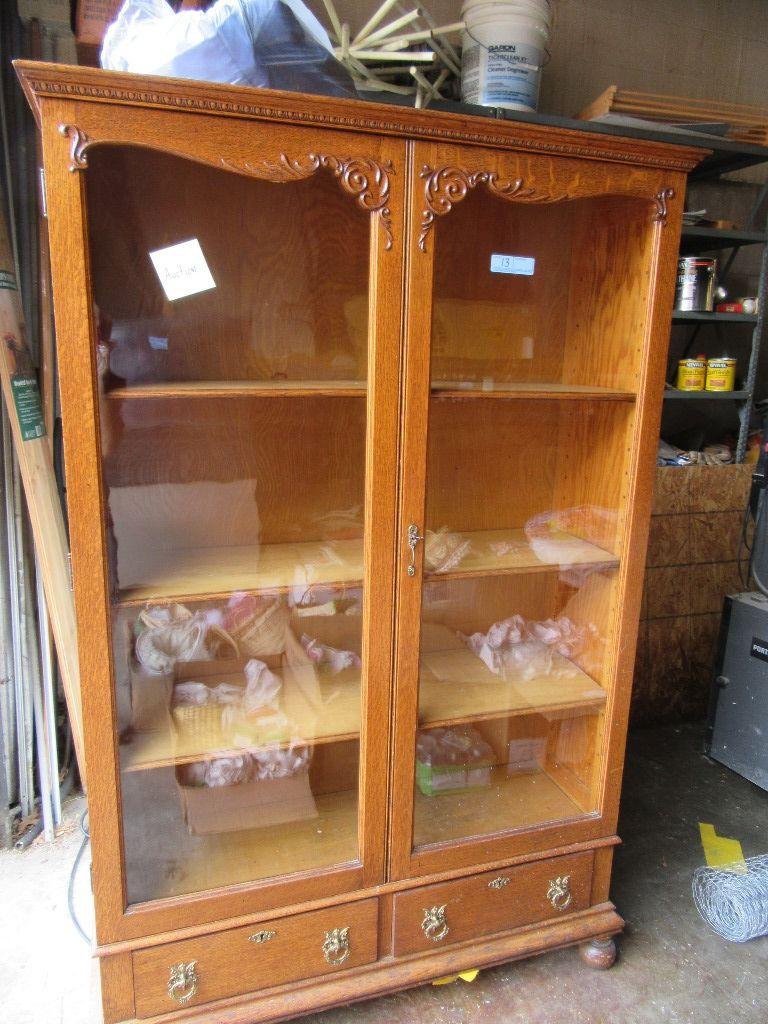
(262, 632)
(198, 725)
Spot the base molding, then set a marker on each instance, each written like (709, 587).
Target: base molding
(389, 975)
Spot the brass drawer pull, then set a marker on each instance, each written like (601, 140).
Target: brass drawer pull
(336, 946)
(182, 982)
(559, 892)
(434, 925)
(264, 936)
(500, 882)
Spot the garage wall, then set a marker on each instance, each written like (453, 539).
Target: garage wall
(702, 48)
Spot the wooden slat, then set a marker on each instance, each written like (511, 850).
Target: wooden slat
(522, 390)
(245, 388)
(43, 502)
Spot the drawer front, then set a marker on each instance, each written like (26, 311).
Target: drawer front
(244, 960)
(496, 901)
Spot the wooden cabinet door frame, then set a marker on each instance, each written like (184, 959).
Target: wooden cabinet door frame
(370, 170)
(440, 176)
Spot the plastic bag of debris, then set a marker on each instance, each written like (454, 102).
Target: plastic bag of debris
(277, 44)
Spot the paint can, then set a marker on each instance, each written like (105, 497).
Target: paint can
(504, 47)
(691, 374)
(695, 284)
(721, 374)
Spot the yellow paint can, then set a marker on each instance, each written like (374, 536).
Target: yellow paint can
(691, 374)
(721, 374)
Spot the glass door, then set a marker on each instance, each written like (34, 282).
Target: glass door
(245, 375)
(524, 376)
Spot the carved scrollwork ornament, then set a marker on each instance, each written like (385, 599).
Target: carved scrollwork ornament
(434, 924)
(446, 186)
(660, 199)
(362, 177)
(78, 143)
(182, 981)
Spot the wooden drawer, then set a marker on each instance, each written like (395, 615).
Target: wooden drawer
(496, 901)
(247, 959)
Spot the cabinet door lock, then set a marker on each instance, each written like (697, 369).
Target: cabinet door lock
(413, 539)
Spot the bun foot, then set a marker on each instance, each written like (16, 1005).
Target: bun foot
(599, 954)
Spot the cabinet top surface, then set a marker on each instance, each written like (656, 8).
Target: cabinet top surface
(42, 81)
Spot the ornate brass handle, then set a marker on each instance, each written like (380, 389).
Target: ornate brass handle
(559, 892)
(182, 982)
(434, 925)
(264, 936)
(336, 946)
(413, 539)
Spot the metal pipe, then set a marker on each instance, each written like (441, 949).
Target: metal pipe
(24, 780)
(48, 699)
(43, 765)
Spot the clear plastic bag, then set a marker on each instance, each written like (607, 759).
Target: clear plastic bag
(275, 44)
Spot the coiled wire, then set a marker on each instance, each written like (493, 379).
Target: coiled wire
(734, 902)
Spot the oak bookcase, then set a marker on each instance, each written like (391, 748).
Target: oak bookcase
(413, 415)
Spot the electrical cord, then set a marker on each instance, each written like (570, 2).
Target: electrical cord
(73, 874)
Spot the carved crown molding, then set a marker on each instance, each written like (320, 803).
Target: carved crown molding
(446, 186)
(363, 178)
(591, 147)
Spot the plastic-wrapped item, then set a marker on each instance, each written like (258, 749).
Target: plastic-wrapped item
(269, 43)
(452, 760)
(328, 658)
(520, 649)
(279, 763)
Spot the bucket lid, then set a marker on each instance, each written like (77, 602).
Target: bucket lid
(525, 8)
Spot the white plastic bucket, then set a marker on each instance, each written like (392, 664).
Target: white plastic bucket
(504, 47)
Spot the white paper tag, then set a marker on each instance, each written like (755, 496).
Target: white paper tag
(523, 265)
(182, 269)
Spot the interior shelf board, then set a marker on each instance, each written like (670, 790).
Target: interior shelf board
(698, 396)
(527, 390)
(245, 388)
(456, 686)
(695, 316)
(336, 720)
(156, 836)
(564, 548)
(511, 802)
(217, 572)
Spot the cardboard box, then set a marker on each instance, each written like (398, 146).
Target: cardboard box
(268, 802)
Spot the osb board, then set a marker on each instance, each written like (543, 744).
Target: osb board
(691, 566)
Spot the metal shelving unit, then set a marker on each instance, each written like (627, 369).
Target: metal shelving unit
(695, 240)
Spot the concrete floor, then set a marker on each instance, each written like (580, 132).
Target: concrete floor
(672, 967)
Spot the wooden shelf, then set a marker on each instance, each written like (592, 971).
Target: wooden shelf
(164, 860)
(563, 549)
(212, 573)
(510, 802)
(242, 388)
(528, 390)
(455, 686)
(335, 720)
(217, 572)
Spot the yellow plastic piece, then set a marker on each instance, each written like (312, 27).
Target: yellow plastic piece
(721, 852)
(464, 975)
